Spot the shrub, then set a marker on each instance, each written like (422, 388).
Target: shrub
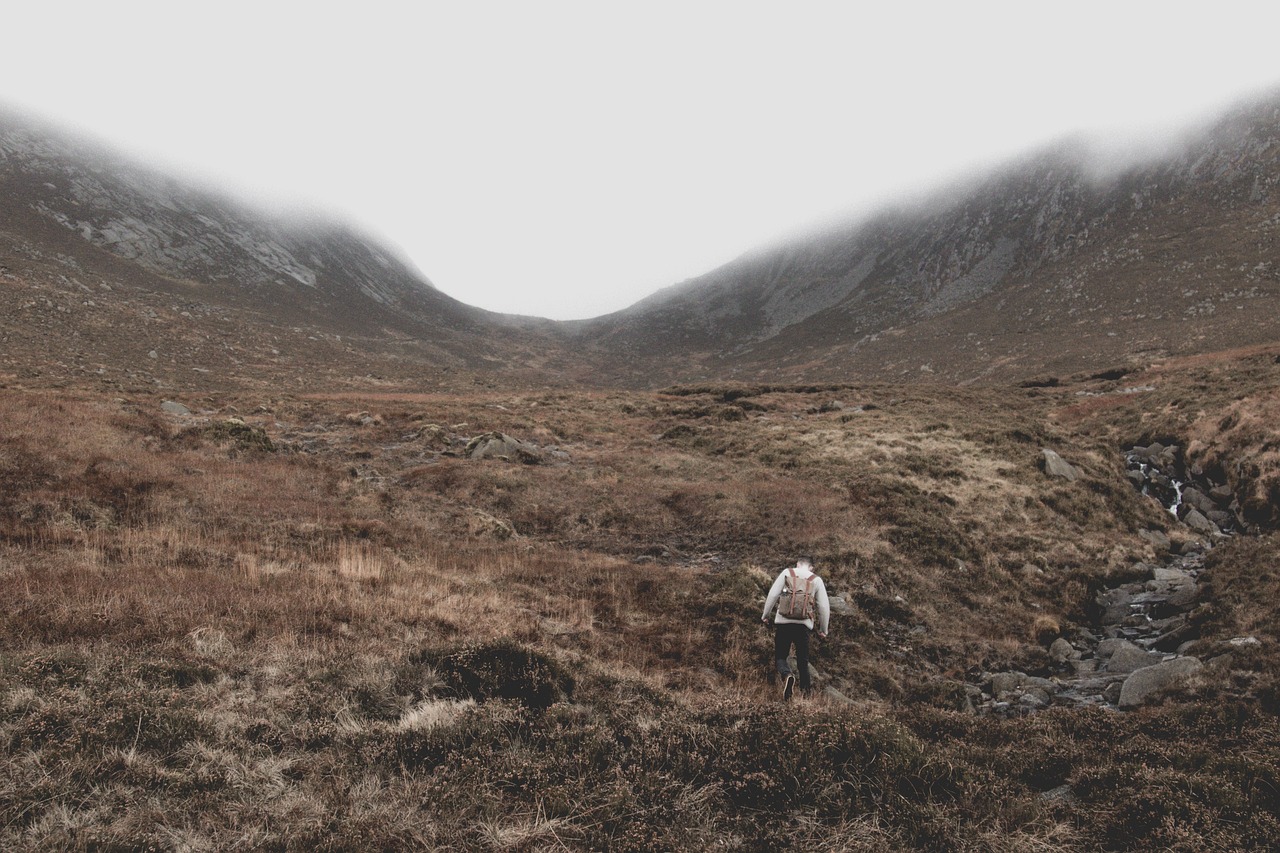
(503, 669)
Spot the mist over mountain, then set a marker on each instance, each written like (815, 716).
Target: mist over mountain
(1046, 266)
(79, 219)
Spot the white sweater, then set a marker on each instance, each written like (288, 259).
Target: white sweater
(819, 594)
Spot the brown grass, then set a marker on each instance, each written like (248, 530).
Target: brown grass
(253, 647)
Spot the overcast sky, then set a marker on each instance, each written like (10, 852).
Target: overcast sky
(565, 159)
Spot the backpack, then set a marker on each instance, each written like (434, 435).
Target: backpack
(798, 600)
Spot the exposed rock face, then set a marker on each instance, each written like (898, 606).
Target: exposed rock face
(948, 287)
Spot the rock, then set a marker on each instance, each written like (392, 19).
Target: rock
(1184, 596)
(1191, 546)
(1138, 478)
(1056, 466)
(1112, 692)
(1197, 522)
(153, 355)
(1158, 540)
(1060, 651)
(1084, 667)
(1127, 657)
(1114, 604)
(498, 445)
(840, 606)
(1173, 577)
(1199, 500)
(174, 408)
(1006, 684)
(1224, 520)
(1222, 495)
(1035, 698)
(1146, 683)
(1245, 641)
(836, 696)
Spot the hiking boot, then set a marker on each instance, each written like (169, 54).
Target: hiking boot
(789, 687)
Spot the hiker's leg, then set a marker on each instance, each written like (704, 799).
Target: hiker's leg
(782, 649)
(802, 658)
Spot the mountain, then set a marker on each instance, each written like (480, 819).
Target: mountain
(1049, 265)
(127, 261)
(1061, 264)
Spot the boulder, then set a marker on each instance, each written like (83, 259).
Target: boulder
(1173, 577)
(173, 408)
(1127, 657)
(1146, 683)
(1006, 684)
(1197, 522)
(1056, 466)
(1114, 604)
(1199, 500)
(1158, 540)
(840, 606)
(1061, 651)
(1222, 495)
(1112, 692)
(499, 445)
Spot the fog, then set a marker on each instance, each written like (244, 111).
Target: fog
(565, 159)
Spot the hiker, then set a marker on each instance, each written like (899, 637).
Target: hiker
(800, 596)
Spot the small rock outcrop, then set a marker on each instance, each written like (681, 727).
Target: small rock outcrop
(1056, 466)
(499, 445)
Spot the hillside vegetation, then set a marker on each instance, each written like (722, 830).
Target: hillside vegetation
(529, 619)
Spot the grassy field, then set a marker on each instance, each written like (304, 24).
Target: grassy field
(310, 621)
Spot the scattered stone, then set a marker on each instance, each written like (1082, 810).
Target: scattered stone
(1112, 692)
(1146, 683)
(1056, 466)
(174, 408)
(1245, 641)
(153, 355)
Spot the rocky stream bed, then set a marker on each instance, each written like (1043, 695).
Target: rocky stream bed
(1141, 639)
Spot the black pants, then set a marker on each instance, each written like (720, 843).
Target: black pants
(785, 634)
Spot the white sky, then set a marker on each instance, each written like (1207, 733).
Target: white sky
(565, 159)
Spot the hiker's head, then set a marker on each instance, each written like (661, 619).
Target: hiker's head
(804, 561)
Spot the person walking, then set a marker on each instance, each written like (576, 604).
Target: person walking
(801, 598)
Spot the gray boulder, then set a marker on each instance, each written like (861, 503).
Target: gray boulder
(1056, 466)
(840, 606)
(1061, 651)
(1146, 683)
(1127, 657)
(1197, 522)
(173, 408)
(1191, 496)
(499, 445)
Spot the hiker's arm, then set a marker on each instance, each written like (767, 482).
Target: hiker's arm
(774, 592)
(824, 608)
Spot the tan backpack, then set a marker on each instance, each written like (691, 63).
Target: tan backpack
(798, 600)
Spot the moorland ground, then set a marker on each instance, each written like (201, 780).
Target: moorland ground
(302, 621)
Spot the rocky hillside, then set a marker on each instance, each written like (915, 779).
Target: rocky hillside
(83, 228)
(1049, 265)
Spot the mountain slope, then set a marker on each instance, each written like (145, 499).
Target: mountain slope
(1046, 265)
(79, 219)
